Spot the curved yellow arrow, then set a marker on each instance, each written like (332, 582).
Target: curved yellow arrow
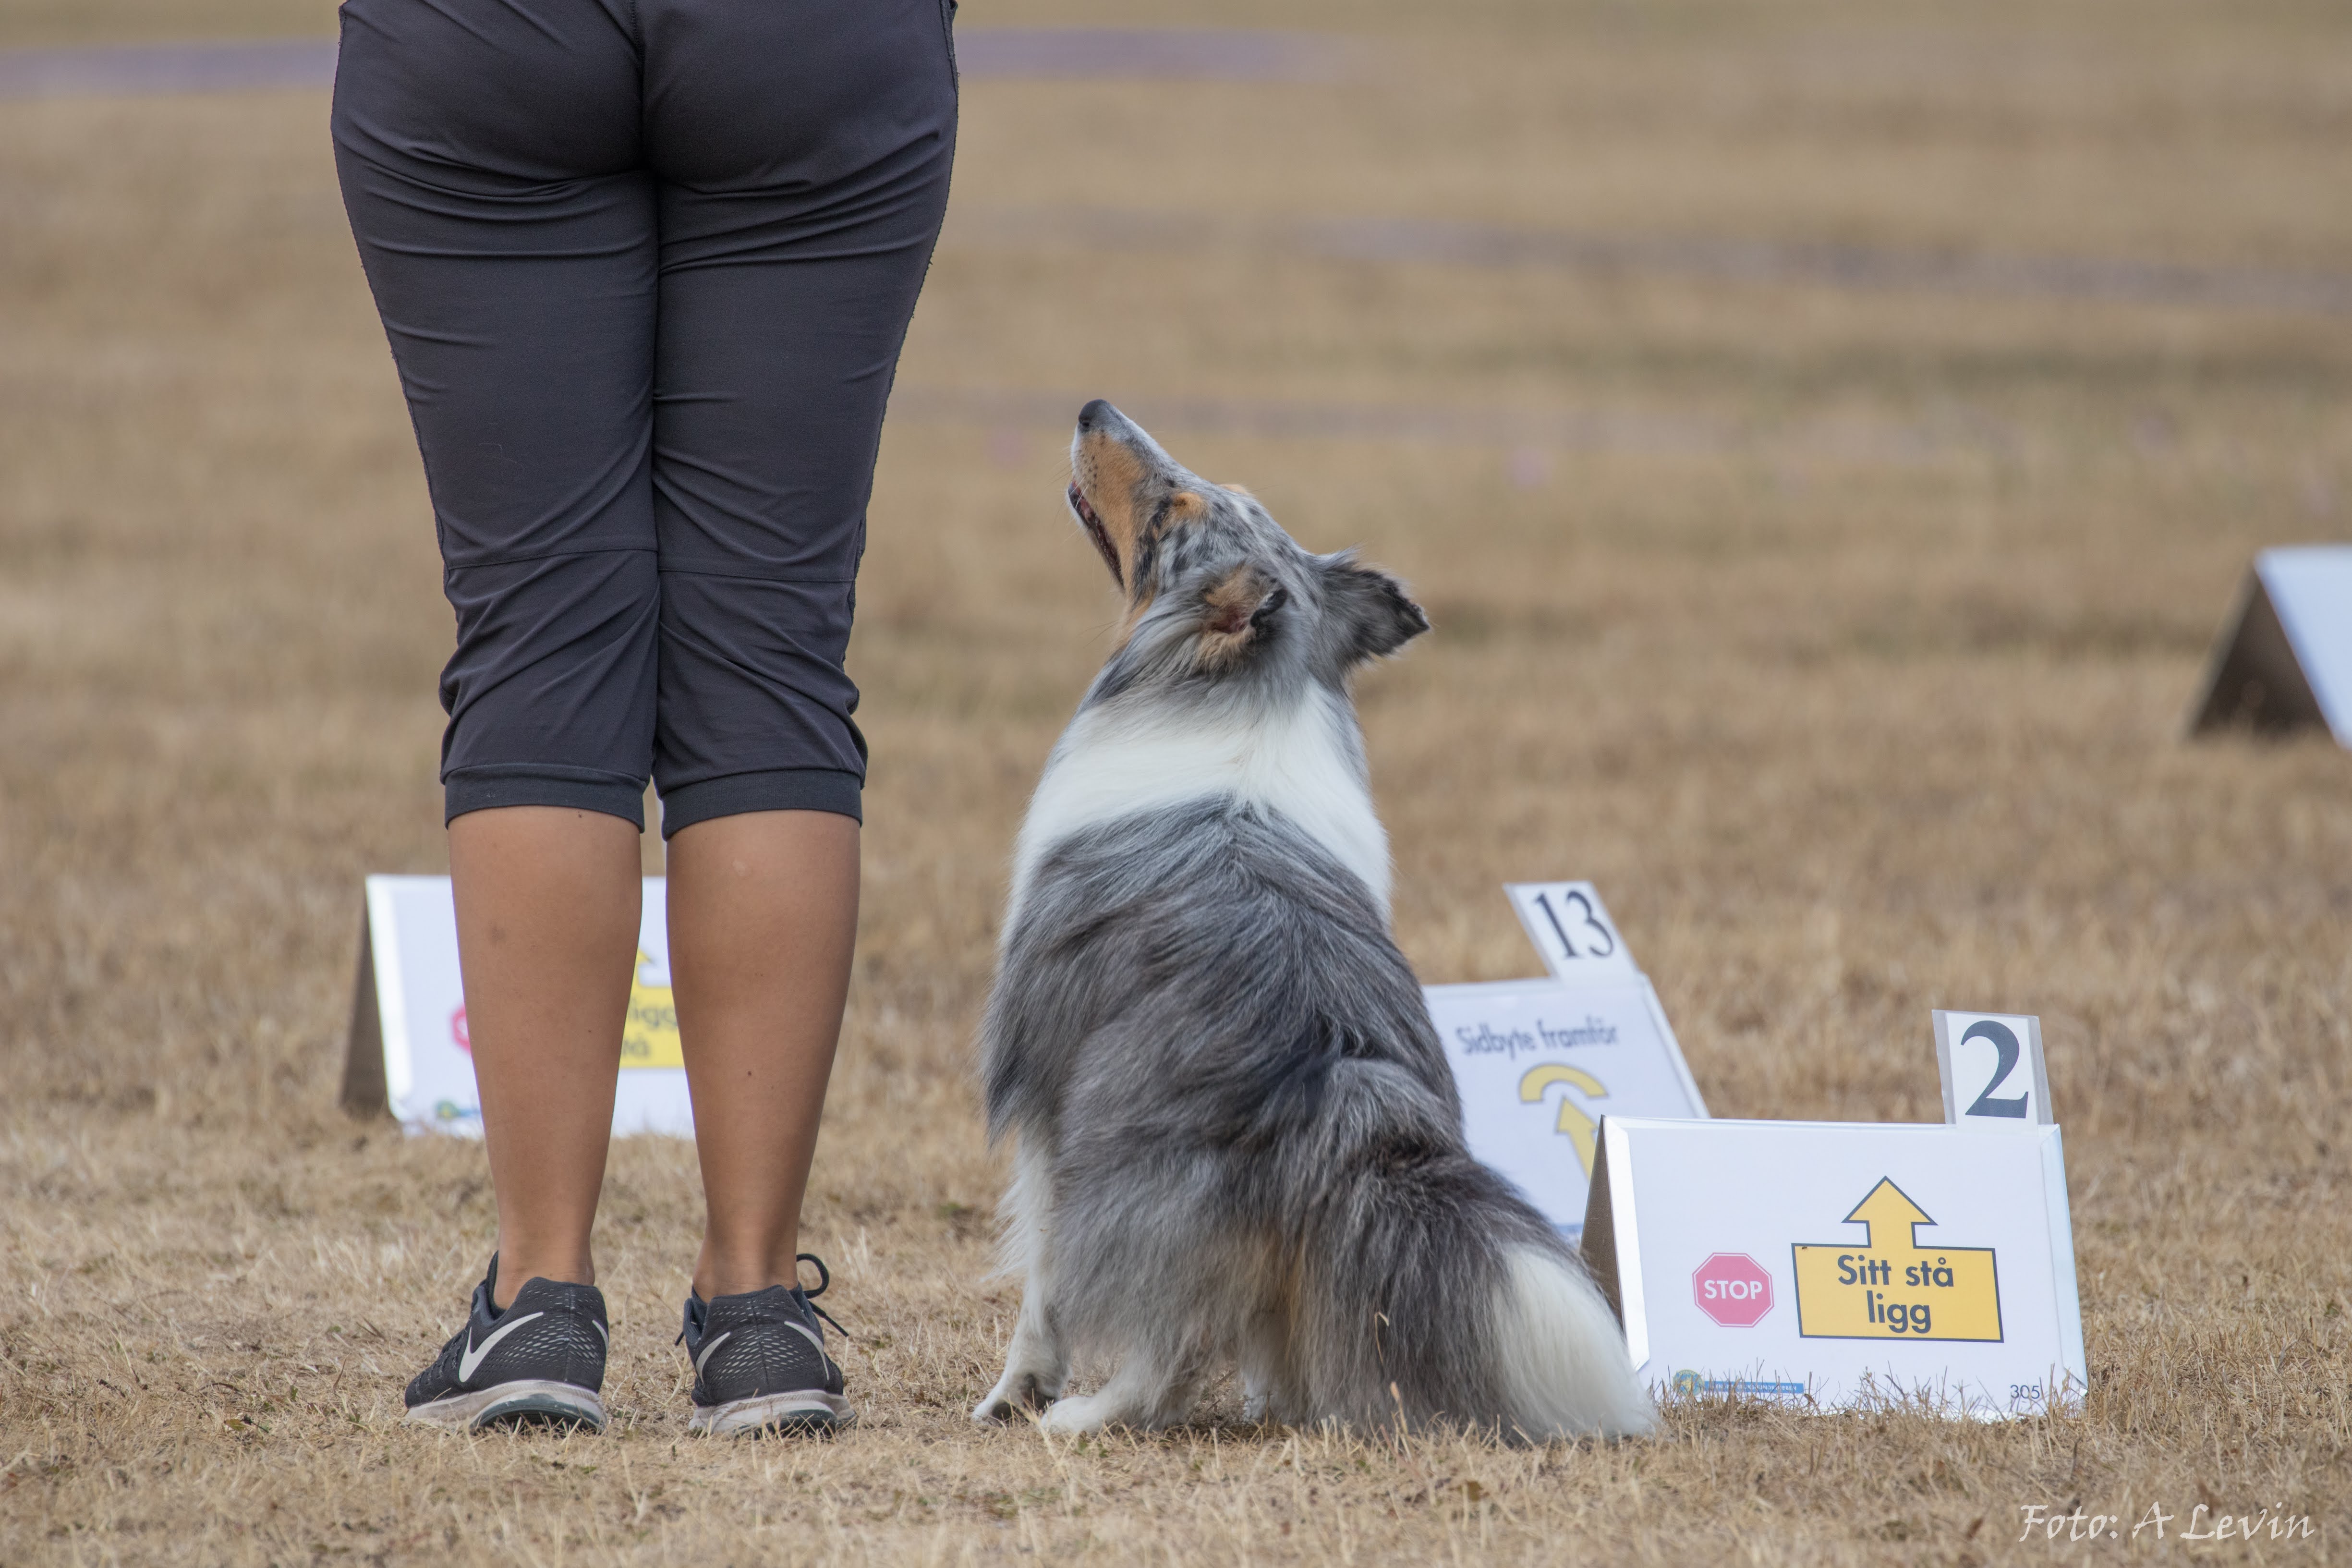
(1572, 1120)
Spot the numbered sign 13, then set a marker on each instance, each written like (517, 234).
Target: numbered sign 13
(1571, 930)
(1992, 1069)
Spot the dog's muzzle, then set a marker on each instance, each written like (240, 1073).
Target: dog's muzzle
(1096, 531)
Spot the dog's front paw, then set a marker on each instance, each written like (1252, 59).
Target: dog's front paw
(1103, 1409)
(1270, 1403)
(1015, 1392)
(1090, 1414)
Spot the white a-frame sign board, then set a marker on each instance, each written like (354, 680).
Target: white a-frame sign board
(411, 1053)
(2285, 660)
(1539, 1062)
(1835, 1264)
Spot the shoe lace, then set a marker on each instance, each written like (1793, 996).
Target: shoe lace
(824, 1280)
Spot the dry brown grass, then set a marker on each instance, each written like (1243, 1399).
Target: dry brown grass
(1846, 728)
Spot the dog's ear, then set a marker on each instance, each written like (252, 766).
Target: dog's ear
(1369, 610)
(1236, 611)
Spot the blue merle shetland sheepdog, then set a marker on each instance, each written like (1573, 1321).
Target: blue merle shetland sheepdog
(1240, 1146)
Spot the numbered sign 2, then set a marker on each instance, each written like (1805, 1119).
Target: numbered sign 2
(1571, 930)
(1993, 1073)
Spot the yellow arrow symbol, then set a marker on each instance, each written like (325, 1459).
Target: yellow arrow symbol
(1892, 1287)
(1572, 1120)
(1885, 1210)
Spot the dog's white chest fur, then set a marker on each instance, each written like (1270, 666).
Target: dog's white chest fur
(1301, 761)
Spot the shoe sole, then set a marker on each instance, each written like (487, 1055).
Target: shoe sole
(524, 1400)
(813, 1414)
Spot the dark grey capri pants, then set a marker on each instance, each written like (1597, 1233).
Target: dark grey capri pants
(646, 266)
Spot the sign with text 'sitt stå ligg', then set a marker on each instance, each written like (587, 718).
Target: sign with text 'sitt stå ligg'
(411, 1051)
(1539, 1061)
(1833, 1265)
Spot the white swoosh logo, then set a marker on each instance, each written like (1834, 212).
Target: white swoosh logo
(710, 1349)
(474, 1352)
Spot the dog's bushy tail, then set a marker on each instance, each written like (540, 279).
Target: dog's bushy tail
(1432, 1291)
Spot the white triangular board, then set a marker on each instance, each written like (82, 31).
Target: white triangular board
(1974, 1310)
(2285, 660)
(410, 1054)
(1539, 1062)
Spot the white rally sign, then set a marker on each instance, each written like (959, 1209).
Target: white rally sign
(1993, 1073)
(1837, 1264)
(410, 1052)
(2285, 659)
(2311, 586)
(1538, 1061)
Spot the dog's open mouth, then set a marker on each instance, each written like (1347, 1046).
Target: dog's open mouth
(1096, 531)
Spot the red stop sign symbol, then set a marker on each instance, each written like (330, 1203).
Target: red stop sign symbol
(1733, 1288)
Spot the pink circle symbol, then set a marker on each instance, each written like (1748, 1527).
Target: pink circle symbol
(1733, 1288)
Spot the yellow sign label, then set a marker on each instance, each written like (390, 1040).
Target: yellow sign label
(1893, 1289)
(649, 1037)
(1572, 1121)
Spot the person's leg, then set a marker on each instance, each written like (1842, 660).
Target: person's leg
(491, 168)
(804, 149)
(547, 933)
(762, 918)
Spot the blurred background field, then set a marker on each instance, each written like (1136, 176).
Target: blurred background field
(1826, 435)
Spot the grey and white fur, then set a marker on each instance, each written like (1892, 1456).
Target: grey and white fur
(1240, 1144)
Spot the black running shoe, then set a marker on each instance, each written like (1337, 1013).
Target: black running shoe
(759, 1363)
(541, 1360)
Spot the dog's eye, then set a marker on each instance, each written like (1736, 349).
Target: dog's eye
(1265, 610)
